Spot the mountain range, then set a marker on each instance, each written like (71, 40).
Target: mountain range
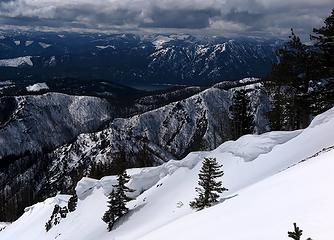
(129, 59)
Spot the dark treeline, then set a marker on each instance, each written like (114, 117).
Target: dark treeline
(302, 83)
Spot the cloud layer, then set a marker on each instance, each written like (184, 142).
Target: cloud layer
(225, 17)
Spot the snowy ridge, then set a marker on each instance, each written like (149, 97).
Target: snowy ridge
(44, 45)
(107, 46)
(37, 87)
(266, 195)
(16, 62)
(171, 131)
(29, 128)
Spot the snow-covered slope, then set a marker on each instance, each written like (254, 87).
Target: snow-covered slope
(48, 120)
(266, 210)
(274, 179)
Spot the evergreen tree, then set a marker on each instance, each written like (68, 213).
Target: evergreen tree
(209, 186)
(143, 156)
(275, 116)
(296, 234)
(120, 162)
(121, 190)
(242, 119)
(324, 38)
(294, 68)
(110, 216)
(72, 203)
(117, 200)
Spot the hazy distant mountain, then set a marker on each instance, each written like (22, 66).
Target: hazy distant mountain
(133, 59)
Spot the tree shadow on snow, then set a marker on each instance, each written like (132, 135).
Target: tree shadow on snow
(226, 198)
(127, 216)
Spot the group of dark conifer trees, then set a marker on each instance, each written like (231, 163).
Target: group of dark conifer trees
(61, 212)
(293, 81)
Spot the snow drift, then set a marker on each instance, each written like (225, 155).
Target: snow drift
(274, 179)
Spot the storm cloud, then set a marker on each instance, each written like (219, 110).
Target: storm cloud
(225, 17)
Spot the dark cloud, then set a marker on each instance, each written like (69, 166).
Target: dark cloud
(181, 18)
(238, 17)
(244, 17)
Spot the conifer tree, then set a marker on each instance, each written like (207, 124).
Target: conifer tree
(209, 186)
(72, 203)
(110, 216)
(121, 189)
(144, 155)
(324, 37)
(296, 234)
(242, 119)
(117, 200)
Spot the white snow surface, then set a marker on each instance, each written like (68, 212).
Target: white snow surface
(16, 62)
(106, 46)
(37, 87)
(28, 43)
(160, 41)
(274, 179)
(44, 45)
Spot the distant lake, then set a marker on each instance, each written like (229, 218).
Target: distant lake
(154, 86)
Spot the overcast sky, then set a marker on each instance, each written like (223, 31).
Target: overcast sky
(223, 17)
